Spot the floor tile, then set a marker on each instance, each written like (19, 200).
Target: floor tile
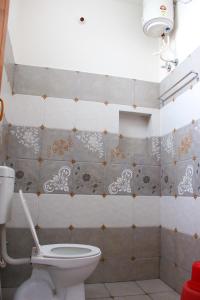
(153, 286)
(138, 297)
(124, 289)
(165, 296)
(93, 291)
(100, 298)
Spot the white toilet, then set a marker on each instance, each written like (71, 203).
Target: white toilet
(59, 270)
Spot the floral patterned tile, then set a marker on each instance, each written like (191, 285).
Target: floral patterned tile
(112, 151)
(88, 178)
(184, 143)
(57, 144)
(24, 142)
(168, 180)
(196, 138)
(143, 152)
(55, 177)
(186, 179)
(119, 179)
(154, 148)
(168, 150)
(197, 177)
(27, 174)
(146, 180)
(89, 146)
(126, 150)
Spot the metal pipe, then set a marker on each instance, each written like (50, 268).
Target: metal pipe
(6, 257)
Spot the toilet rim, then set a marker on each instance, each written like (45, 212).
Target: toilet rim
(49, 251)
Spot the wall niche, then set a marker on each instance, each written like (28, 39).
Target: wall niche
(136, 125)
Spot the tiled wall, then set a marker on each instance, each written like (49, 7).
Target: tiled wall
(180, 204)
(82, 162)
(178, 252)
(66, 170)
(180, 161)
(105, 156)
(72, 206)
(180, 201)
(127, 252)
(30, 80)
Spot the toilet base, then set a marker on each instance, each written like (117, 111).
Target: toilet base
(40, 291)
(42, 288)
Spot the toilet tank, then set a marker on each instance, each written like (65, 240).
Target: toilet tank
(7, 179)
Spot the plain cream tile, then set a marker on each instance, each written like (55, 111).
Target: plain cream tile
(146, 211)
(94, 116)
(124, 289)
(118, 211)
(196, 216)
(87, 211)
(18, 218)
(60, 113)
(168, 212)
(25, 110)
(95, 210)
(185, 214)
(153, 286)
(96, 291)
(55, 211)
(84, 211)
(83, 115)
(165, 296)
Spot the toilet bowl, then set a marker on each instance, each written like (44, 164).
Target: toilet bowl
(67, 264)
(59, 270)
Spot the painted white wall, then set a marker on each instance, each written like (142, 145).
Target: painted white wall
(185, 38)
(186, 35)
(48, 33)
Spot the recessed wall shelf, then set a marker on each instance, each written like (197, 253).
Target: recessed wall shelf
(132, 124)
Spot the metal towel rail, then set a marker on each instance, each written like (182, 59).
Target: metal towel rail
(196, 76)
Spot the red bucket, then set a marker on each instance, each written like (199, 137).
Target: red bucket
(191, 289)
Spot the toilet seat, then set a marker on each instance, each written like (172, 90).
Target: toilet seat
(48, 257)
(68, 251)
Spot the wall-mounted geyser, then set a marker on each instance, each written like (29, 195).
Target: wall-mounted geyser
(158, 22)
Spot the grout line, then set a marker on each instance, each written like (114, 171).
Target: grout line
(140, 286)
(107, 290)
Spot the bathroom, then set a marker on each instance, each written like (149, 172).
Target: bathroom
(100, 130)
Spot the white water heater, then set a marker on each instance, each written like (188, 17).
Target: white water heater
(158, 17)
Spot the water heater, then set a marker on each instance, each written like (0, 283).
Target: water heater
(158, 17)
